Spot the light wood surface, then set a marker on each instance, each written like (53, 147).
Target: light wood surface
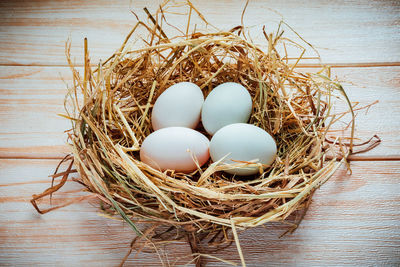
(34, 32)
(353, 220)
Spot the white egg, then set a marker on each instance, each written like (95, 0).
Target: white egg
(173, 148)
(179, 105)
(226, 104)
(243, 142)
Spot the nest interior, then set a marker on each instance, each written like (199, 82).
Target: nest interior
(110, 104)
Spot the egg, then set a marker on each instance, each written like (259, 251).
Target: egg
(172, 148)
(243, 142)
(179, 105)
(226, 104)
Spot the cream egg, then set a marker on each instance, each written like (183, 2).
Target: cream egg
(175, 148)
(226, 104)
(241, 142)
(179, 105)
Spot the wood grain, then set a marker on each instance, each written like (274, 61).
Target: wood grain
(34, 32)
(353, 220)
(31, 98)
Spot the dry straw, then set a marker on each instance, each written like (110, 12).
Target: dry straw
(110, 106)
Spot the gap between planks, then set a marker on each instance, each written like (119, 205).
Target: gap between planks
(350, 158)
(305, 65)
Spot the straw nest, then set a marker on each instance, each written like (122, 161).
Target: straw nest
(110, 104)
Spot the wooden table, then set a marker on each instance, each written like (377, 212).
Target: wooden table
(353, 220)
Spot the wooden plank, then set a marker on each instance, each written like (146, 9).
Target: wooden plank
(72, 236)
(353, 220)
(31, 98)
(34, 32)
(366, 86)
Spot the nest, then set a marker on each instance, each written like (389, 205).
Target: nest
(110, 106)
